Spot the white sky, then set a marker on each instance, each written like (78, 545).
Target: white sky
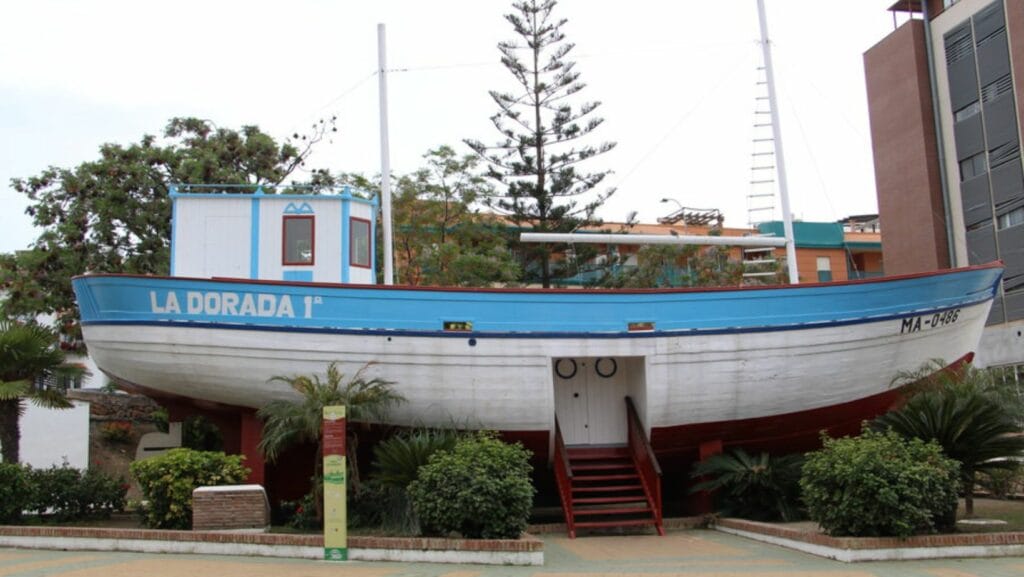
(677, 79)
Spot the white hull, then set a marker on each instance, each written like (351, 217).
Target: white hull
(509, 383)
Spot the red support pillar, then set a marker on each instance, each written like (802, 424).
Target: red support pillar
(702, 501)
(252, 434)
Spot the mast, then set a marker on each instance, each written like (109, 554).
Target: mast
(787, 215)
(385, 159)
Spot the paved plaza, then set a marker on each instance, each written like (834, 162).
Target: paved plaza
(685, 553)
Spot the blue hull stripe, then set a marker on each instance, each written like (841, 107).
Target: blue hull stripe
(563, 314)
(532, 335)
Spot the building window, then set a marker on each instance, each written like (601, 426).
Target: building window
(359, 242)
(824, 269)
(997, 88)
(973, 166)
(967, 111)
(1013, 218)
(299, 243)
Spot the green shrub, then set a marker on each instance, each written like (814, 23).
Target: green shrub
(762, 487)
(68, 494)
(880, 484)
(396, 463)
(167, 482)
(1002, 483)
(481, 489)
(197, 432)
(15, 492)
(301, 514)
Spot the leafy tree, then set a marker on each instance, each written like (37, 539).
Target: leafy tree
(27, 354)
(536, 163)
(113, 214)
(439, 237)
(760, 487)
(677, 265)
(965, 413)
(287, 423)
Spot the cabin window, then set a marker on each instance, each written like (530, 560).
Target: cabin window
(824, 269)
(460, 326)
(359, 242)
(299, 244)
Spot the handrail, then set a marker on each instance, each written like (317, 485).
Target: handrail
(646, 462)
(563, 477)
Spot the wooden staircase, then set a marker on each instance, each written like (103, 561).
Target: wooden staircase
(607, 491)
(609, 487)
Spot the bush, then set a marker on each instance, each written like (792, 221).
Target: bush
(880, 484)
(301, 514)
(481, 489)
(396, 463)
(116, 432)
(68, 494)
(1002, 483)
(762, 487)
(15, 492)
(167, 482)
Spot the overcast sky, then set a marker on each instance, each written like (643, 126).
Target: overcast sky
(677, 80)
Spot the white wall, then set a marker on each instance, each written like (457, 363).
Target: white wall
(49, 436)
(212, 236)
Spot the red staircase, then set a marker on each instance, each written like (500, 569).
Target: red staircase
(608, 487)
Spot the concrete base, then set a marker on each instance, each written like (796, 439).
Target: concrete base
(222, 547)
(880, 553)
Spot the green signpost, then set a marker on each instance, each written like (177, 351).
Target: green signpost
(335, 514)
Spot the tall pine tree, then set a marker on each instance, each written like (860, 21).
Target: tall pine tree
(537, 163)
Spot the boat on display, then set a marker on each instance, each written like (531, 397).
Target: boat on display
(264, 285)
(755, 364)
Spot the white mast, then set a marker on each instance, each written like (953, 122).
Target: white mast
(385, 159)
(787, 215)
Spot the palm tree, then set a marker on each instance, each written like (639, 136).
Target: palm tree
(968, 414)
(286, 423)
(758, 487)
(27, 354)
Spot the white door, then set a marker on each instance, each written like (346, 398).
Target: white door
(228, 250)
(589, 400)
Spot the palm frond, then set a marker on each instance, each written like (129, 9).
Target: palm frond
(13, 390)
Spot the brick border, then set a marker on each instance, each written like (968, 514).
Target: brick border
(852, 549)
(527, 550)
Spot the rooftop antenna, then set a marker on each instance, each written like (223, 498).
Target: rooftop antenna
(787, 215)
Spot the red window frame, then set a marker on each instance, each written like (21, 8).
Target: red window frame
(312, 240)
(352, 244)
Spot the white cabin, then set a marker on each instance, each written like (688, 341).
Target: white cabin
(290, 237)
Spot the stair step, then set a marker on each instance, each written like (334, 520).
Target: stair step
(607, 488)
(609, 500)
(615, 477)
(612, 511)
(601, 466)
(623, 523)
(601, 453)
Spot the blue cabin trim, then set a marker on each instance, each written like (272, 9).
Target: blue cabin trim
(254, 236)
(373, 242)
(174, 223)
(346, 214)
(298, 275)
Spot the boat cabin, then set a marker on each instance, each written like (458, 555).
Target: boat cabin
(247, 231)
